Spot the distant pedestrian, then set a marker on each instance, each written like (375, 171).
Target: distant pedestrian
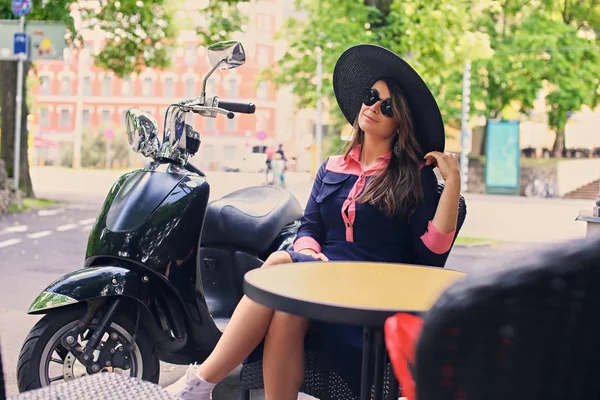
(280, 151)
(269, 152)
(278, 166)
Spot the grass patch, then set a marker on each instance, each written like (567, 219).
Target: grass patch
(542, 162)
(531, 162)
(473, 241)
(32, 204)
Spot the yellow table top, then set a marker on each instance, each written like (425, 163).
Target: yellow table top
(356, 289)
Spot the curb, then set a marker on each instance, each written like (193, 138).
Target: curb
(474, 245)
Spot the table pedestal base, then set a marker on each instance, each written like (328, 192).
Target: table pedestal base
(374, 363)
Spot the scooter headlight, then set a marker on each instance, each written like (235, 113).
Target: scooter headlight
(142, 132)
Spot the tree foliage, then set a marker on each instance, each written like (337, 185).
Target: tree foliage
(222, 18)
(572, 67)
(433, 36)
(516, 47)
(138, 33)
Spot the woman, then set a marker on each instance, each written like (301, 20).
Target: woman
(378, 202)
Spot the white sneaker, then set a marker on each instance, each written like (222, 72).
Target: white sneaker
(191, 386)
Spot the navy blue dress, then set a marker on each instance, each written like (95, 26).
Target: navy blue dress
(344, 230)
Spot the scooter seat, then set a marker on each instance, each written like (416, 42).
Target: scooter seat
(250, 218)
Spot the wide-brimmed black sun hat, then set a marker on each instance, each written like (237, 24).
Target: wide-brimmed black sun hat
(359, 67)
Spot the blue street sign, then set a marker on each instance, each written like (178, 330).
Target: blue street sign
(21, 7)
(20, 43)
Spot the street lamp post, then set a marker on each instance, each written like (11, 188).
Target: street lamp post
(18, 111)
(319, 124)
(82, 55)
(465, 130)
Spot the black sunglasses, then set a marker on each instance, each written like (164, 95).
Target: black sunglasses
(371, 97)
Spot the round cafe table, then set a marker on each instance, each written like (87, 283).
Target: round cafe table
(355, 293)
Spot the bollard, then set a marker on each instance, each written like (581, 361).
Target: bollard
(592, 218)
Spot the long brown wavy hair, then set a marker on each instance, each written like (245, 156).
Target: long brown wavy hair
(397, 191)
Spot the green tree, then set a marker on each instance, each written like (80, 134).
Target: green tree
(95, 145)
(433, 36)
(507, 76)
(225, 16)
(510, 78)
(137, 32)
(572, 62)
(57, 11)
(536, 45)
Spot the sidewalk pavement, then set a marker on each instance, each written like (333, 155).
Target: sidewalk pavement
(504, 218)
(523, 220)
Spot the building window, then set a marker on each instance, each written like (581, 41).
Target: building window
(44, 117)
(65, 86)
(190, 88)
(107, 86)
(264, 22)
(261, 90)
(147, 87)
(85, 118)
(232, 88)
(231, 124)
(105, 116)
(126, 87)
(87, 86)
(65, 118)
(262, 57)
(44, 85)
(169, 87)
(190, 55)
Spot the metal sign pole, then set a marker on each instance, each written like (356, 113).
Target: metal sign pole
(466, 140)
(19, 101)
(319, 125)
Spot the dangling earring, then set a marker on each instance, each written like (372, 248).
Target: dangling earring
(397, 148)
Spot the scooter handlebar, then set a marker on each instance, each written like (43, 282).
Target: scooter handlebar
(244, 108)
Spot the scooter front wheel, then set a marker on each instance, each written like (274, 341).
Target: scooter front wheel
(44, 360)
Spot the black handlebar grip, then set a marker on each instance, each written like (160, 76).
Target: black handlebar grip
(244, 108)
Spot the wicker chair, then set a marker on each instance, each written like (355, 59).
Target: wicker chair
(528, 331)
(102, 386)
(321, 380)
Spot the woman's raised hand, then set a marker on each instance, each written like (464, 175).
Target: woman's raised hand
(447, 163)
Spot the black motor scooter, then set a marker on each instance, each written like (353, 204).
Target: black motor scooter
(161, 263)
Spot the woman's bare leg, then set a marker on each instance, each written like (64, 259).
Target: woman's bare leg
(247, 327)
(283, 359)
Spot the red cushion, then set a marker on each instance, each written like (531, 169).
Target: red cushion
(401, 334)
